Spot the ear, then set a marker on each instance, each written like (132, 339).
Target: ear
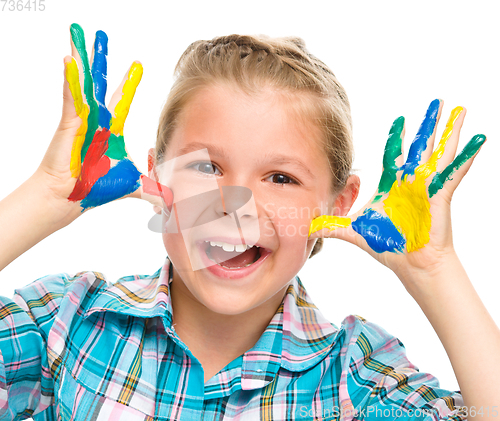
(347, 196)
(152, 173)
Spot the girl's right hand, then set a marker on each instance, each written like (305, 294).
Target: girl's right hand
(86, 164)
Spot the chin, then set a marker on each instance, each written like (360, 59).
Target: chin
(229, 305)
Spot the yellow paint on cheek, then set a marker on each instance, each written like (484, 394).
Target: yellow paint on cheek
(408, 208)
(330, 222)
(429, 167)
(123, 106)
(82, 109)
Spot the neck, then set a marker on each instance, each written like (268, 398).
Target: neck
(217, 339)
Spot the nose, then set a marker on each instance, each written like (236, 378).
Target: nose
(235, 200)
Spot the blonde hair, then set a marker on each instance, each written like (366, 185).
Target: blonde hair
(252, 62)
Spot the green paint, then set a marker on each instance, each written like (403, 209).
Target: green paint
(391, 153)
(467, 153)
(116, 147)
(78, 38)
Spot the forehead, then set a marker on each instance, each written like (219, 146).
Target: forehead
(269, 120)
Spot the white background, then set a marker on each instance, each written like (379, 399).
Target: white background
(393, 58)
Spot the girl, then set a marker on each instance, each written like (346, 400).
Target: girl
(244, 342)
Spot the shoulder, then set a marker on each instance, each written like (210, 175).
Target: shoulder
(44, 298)
(364, 349)
(370, 354)
(365, 340)
(373, 370)
(53, 288)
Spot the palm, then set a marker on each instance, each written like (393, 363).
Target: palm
(99, 159)
(407, 221)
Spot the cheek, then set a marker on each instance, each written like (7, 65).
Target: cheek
(176, 251)
(290, 224)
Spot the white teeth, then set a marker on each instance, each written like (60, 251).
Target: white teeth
(230, 247)
(227, 247)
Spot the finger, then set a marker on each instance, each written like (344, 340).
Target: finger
(72, 84)
(331, 222)
(419, 144)
(453, 173)
(118, 94)
(116, 148)
(99, 73)
(76, 55)
(155, 193)
(452, 144)
(392, 153)
(120, 111)
(339, 232)
(448, 144)
(334, 226)
(427, 152)
(369, 230)
(400, 158)
(72, 95)
(78, 44)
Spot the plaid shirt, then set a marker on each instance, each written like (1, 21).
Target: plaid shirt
(78, 348)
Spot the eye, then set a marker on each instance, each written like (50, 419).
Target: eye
(206, 168)
(282, 179)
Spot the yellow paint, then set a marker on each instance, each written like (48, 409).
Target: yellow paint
(407, 205)
(330, 222)
(429, 167)
(123, 106)
(82, 109)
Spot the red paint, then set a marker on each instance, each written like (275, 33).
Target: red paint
(94, 166)
(154, 188)
(150, 163)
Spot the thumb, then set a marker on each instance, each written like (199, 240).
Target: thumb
(155, 193)
(332, 226)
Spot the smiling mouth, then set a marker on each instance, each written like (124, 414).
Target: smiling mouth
(232, 256)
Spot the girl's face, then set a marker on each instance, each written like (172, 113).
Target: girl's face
(255, 142)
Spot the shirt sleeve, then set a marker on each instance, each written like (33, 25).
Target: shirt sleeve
(380, 383)
(26, 385)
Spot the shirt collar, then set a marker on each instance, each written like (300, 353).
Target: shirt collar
(138, 296)
(297, 338)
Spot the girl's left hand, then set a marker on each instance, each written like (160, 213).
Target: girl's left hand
(407, 224)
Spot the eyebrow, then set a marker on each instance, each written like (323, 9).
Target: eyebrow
(274, 159)
(213, 150)
(268, 159)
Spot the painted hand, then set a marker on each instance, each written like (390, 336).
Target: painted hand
(99, 160)
(409, 215)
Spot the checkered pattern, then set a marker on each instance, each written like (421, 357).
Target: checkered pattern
(78, 348)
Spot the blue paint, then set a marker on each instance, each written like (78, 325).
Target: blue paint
(419, 144)
(99, 74)
(120, 180)
(379, 232)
